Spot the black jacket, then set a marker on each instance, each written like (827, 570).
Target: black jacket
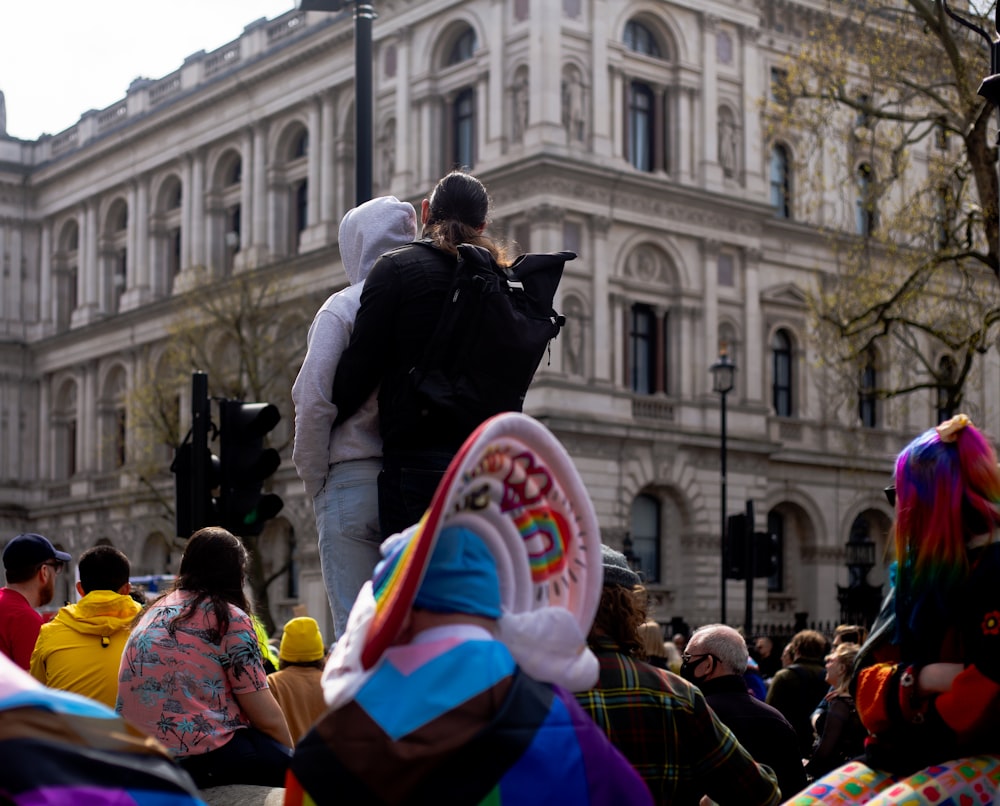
(403, 296)
(761, 729)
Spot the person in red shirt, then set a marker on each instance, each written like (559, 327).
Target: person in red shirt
(30, 563)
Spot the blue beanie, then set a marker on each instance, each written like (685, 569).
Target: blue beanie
(461, 576)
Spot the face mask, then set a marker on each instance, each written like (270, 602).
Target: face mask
(687, 670)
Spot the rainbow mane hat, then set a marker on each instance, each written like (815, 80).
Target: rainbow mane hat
(514, 485)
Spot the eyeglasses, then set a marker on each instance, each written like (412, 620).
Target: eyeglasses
(890, 494)
(687, 658)
(55, 565)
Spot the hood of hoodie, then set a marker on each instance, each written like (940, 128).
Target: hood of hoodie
(372, 229)
(99, 613)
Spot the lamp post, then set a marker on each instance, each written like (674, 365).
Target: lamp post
(364, 15)
(723, 373)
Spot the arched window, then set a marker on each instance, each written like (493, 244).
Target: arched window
(226, 213)
(169, 246)
(112, 418)
(114, 256)
(645, 535)
(300, 146)
(464, 129)
(300, 210)
(463, 48)
(295, 201)
(781, 382)
(640, 39)
(64, 424)
(867, 409)
(781, 182)
(641, 128)
(66, 263)
(865, 209)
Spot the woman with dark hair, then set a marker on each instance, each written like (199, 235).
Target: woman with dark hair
(403, 298)
(193, 677)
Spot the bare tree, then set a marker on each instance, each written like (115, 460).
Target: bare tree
(895, 162)
(248, 335)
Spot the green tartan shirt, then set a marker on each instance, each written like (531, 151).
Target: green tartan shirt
(666, 729)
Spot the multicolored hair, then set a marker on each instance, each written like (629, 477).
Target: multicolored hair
(947, 491)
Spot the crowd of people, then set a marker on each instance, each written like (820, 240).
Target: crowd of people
(488, 647)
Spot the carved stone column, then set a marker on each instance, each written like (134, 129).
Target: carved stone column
(602, 334)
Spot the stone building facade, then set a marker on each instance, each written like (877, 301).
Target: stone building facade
(628, 131)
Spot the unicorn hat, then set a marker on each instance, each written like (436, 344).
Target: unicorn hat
(514, 487)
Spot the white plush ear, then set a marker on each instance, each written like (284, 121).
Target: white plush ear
(343, 674)
(549, 646)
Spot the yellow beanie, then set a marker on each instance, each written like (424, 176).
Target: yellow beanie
(301, 641)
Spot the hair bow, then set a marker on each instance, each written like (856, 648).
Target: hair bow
(948, 430)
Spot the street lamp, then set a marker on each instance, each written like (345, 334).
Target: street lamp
(723, 374)
(364, 14)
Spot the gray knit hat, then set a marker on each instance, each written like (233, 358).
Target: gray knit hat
(616, 570)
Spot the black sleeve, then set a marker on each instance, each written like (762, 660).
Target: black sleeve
(369, 352)
(830, 748)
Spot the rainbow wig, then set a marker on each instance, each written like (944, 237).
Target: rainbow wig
(947, 491)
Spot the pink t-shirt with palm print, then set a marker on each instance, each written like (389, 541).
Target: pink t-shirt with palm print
(180, 688)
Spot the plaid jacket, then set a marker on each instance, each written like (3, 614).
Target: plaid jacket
(663, 725)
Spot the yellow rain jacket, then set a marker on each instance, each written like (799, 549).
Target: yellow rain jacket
(81, 648)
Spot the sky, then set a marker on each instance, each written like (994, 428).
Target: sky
(59, 58)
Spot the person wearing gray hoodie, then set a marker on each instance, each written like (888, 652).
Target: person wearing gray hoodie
(339, 466)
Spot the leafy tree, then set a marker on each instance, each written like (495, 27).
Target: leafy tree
(895, 162)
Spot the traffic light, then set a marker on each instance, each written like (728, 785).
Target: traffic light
(195, 504)
(246, 463)
(736, 546)
(196, 470)
(767, 560)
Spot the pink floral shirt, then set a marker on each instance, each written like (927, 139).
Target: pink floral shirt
(180, 689)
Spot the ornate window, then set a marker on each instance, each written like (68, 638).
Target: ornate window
(66, 264)
(642, 349)
(641, 131)
(647, 99)
(781, 371)
(64, 425)
(229, 213)
(114, 256)
(168, 229)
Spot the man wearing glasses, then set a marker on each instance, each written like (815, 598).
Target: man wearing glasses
(30, 563)
(715, 660)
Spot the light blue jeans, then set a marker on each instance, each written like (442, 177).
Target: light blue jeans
(349, 536)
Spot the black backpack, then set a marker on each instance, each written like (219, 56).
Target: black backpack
(495, 327)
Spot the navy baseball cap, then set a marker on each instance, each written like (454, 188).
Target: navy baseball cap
(30, 549)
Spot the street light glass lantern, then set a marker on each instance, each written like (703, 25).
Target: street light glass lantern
(723, 374)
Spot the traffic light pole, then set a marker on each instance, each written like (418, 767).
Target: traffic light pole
(200, 417)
